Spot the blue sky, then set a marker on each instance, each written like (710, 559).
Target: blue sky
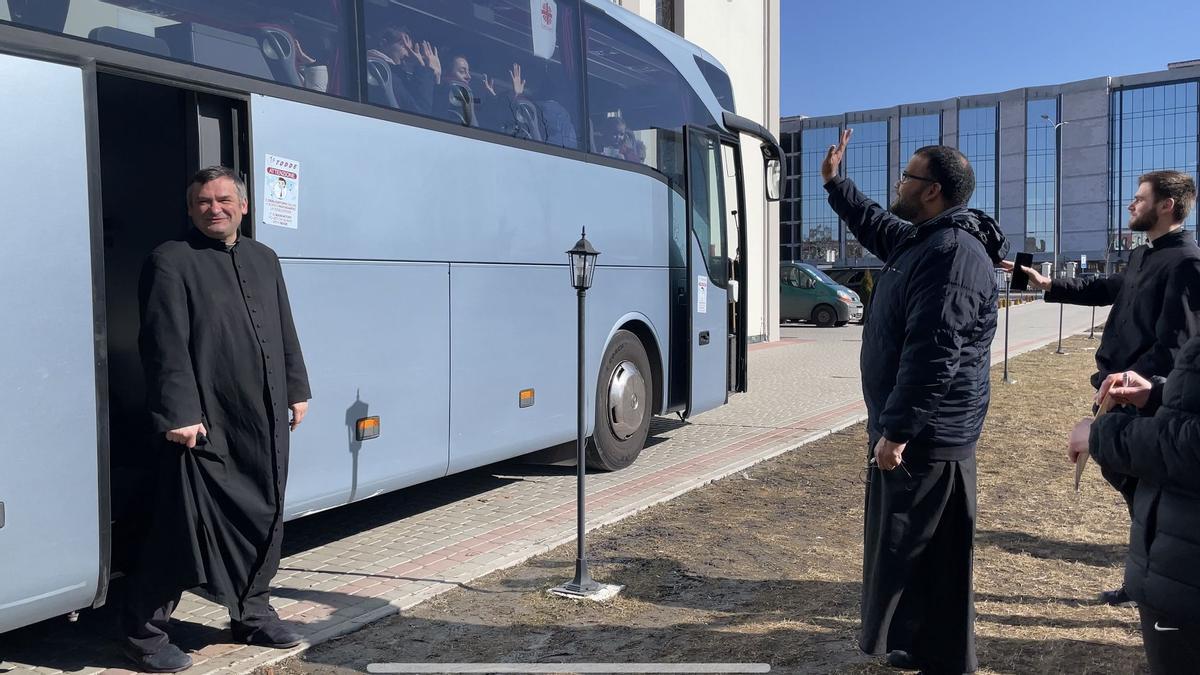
(862, 54)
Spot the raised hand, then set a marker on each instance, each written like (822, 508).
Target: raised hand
(834, 156)
(517, 83)
(489, 84)
(432, 60)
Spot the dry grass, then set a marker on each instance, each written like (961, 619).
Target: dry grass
(765, 566)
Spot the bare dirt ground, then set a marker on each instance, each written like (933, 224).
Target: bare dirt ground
(766, 566)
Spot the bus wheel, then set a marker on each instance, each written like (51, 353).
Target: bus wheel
(824, 315)
(623, 401)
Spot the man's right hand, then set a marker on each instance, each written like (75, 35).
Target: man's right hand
(1127, 388)
(1038, 281)
(833, 158)
(187, 435)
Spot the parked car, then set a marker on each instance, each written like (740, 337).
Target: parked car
(861, 280)
(808, 294)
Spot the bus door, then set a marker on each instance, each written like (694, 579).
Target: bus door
(708, 273)
(736, 241)
(52, 508)
(153, 136)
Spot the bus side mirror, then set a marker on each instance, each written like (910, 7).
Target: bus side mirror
(774, 172)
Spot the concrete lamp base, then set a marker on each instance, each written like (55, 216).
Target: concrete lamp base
(600, 593)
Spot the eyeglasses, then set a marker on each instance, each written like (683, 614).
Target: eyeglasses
(906, 176)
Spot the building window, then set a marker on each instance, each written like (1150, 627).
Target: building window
(665, 14)
(1154, 128)
(867, 166)
(818, 222)
(977, 135)
(789, 206)
(918, 131)
(1041, 174)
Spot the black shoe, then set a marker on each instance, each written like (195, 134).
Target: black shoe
(169, 659)
(898, 658)
(1117, 598)
(273, 634)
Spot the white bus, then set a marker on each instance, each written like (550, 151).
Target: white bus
(438, 159)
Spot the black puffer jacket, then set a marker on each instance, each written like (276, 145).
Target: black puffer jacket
(927, 349)
(1162, 451)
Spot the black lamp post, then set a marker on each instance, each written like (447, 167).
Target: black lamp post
(1057, 216)
(583, 266)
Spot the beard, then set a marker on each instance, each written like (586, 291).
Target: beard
(1144, 222)
(905, 208)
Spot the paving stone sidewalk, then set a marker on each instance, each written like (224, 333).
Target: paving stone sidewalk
(356, 564)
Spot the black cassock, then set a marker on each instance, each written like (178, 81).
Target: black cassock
(218, 346)
(917, 563)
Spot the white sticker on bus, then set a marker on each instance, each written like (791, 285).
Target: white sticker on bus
(281, 204)
(701, 295)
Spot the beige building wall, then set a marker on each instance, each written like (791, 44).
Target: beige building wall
(744, 36)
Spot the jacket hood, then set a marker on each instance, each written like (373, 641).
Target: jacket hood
(981, 226)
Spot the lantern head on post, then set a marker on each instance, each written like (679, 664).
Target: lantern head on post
(583, 262)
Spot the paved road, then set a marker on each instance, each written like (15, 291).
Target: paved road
(359, 563)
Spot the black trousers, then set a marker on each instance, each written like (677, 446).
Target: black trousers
(918, 563)
(1171, 649)
(149, 607)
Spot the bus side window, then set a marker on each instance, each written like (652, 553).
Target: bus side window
(492, 64)
(301, 43)
(637, 100)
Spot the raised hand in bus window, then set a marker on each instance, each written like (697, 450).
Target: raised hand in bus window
(432, 60)
(518, 84)
(415, 70)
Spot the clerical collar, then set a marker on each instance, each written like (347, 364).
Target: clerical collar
(201, 240)
(1171, 239)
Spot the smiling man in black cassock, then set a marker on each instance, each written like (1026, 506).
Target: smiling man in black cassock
(223, 368)
(925, 359)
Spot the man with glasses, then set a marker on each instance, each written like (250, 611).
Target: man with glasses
(1155, 301)
(925, 359)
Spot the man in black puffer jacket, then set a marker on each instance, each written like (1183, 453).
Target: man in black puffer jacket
(925, 358)
(1163, 453)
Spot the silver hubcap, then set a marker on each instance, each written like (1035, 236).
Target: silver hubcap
(626, 400)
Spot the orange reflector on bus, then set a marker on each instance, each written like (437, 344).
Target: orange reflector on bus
(366, 429)
(526, 398)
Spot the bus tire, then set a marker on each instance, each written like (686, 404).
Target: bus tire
(624, 397)
(824, 315)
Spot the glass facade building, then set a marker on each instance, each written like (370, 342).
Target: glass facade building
(1064, 188)
(1153, 128)
(866, 164)
(1041, 175)
(818, 223)
(917, 131)
(978, 134)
